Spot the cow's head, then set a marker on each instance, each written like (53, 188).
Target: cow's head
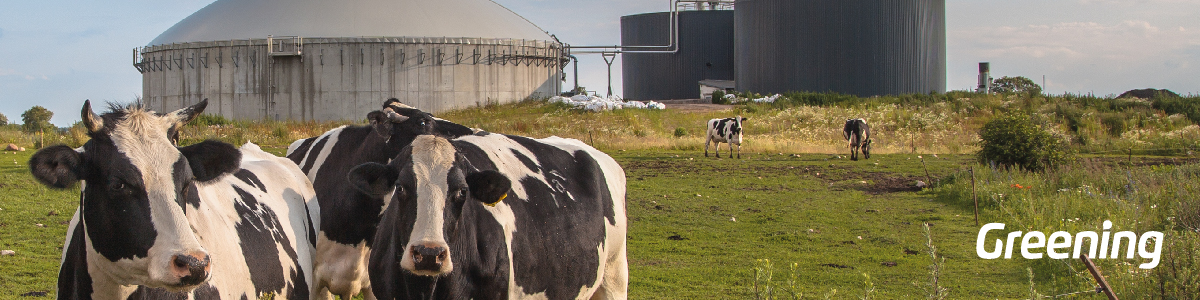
(399, 123)
(432, 184)
(135, 186)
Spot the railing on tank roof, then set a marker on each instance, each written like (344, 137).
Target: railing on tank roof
(285, 45)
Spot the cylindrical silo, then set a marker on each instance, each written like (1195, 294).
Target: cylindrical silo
(705, 51)
(338, 60)
(859, 47)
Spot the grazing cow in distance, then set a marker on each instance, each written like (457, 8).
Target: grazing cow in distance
(727, 130)
(157, 221)
(348, 216)
(858, 134)
(493, 216)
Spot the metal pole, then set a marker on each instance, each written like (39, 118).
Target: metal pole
(576, 90)
(609, 58)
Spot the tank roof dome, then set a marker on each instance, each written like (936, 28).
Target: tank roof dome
(252, 19)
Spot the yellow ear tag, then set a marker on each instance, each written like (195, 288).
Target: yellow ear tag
(493, 204)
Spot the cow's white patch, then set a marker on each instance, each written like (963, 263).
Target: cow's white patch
(433, 157)
(70, 232)
(346, 275)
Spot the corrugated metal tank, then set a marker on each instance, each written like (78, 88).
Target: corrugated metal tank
(344, 58)
(705, 52)
(859, 47)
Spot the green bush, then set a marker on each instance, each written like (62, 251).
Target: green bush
(718, 97)
(680, 132)
(3, 120)
(1014, 141)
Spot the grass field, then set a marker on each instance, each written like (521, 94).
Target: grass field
(708, 228)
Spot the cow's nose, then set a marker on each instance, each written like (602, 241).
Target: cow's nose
(191, 268)
(428, 258)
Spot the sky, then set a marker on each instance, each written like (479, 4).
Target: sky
(57, 53)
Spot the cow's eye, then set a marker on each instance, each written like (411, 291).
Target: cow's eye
(422, 123)
(462, 194)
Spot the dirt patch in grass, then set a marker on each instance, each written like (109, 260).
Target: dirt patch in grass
(882, 183)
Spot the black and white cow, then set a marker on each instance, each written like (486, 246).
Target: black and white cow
(858, 134)
(727, 130)
(348, 217)
(156, 221)
(493, 216)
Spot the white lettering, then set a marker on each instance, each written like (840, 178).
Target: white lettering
(980, 241)
(1057, 244)
(1026, 245)
(1051, 244)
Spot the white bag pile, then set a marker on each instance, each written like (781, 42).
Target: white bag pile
(768, 99)
(594, 103)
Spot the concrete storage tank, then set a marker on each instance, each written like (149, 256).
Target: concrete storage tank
(337, 60)
(705, 52)
(860, 47)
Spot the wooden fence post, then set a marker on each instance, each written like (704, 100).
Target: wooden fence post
(1099, 278)
(974, 196)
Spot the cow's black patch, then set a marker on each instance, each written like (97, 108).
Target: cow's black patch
(211, 159)
(249, 178)
(297, 154)
(74, 282)
(313, 153)
(257, 230)
(116, 209)
(298, 289)
(192, 196)
(206, 292)
(145, 293)
(721, 127)
(312, 232)
(528, 162)
(181, 175)
(347, 215)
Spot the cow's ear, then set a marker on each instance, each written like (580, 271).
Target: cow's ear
(489, 187)
(744, 119)
(373, 179)
(56, 166)
(211, 159)
(380, 124)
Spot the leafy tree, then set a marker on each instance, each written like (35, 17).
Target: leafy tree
(3, 120)
(37, 119)
(1019, 85)
(1015, 141)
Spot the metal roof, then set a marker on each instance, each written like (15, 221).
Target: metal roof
(253, 19)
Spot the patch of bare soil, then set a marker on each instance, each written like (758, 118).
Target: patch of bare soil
(883, 183)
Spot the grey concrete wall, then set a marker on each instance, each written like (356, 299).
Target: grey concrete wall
(344, 79)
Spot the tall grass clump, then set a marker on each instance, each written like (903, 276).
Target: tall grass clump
(1079, 197)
